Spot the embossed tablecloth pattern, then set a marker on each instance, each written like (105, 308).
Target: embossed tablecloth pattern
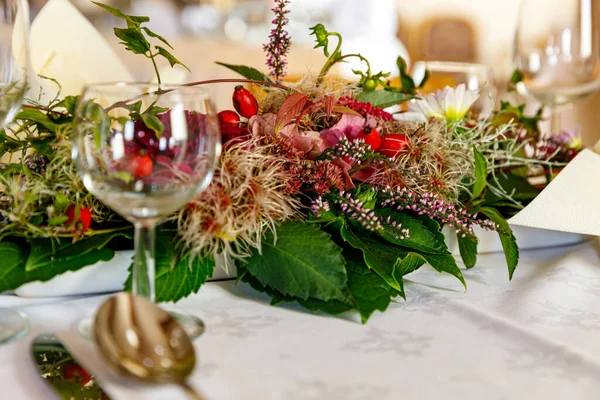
(537, 337)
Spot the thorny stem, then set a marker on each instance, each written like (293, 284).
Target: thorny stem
(198, 83)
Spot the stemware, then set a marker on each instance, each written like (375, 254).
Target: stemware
(14, 62)
(145, 151)
(557, 49)
(477, 77)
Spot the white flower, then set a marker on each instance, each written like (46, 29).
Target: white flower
(450, 104)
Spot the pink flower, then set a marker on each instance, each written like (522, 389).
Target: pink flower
(347, 127)
(262, 125)
(345, 168)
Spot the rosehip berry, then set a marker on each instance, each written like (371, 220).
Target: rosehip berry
(371, 137)
(83, 222)
(228, 118)
(74, 373)
(140, 164)
(244, 102)
(393, 144)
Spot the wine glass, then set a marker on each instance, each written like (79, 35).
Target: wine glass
(145, 151)
(477, 77)
(557, 50)
(14, 64)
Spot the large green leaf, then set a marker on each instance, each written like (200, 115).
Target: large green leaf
(133, 40)
(332, 307)
(369, 290)
(303, 263)
(247, 72)
(468, 250)
(176, 277)
(384, 99)
(52, 255)
(508, 240)
(41, 118)
(421, 236)
(13, 272)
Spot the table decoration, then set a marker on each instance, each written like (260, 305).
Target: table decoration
(320, 197)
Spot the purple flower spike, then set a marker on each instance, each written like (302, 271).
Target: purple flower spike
(279, 41)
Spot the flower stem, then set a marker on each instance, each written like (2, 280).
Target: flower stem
(331, 60)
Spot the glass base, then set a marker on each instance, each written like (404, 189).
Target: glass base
(13, 325)
(192, 325)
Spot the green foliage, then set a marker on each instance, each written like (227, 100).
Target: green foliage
(321, 37)
(383, 98)
(247, 72)
(468, 250)
(17, 269)
(508, 240)
(135, 38)
(304, 262)
(481, 173)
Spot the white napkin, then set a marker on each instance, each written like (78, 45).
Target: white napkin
(571, 202)
(65, 46)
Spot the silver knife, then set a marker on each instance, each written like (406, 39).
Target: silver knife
(62, 372)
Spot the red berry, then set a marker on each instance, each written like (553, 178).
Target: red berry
(371, 137)
(82, 223)
(244, 102)
(74, 373)
(393, 144)
(229, 118)
(140, 164)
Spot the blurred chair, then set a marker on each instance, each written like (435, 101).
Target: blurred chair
(445, 39)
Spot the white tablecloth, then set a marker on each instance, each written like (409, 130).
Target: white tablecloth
(537, 337)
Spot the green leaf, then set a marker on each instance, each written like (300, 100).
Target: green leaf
(384, 99)
(176, 277)
(247, 72)
(170, 57)
(154, 123)
(68, 103)
(444, 263)
(57, 221)
(331, 307)
(157, 36)
(50, 255)
(15, 256)
(132, 21)
(369, 290)
(468, 250)
(133, 40)
(508, 240)
(41, 118)
(480, 173)
(303, 263)
(378, 256)
(322, 37)
(420, 238)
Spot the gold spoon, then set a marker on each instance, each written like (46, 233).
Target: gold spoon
(139, 340)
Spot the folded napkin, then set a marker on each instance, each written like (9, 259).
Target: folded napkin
(66, 47)
(571, 202)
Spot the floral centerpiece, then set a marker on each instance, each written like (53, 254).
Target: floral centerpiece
(321, 196)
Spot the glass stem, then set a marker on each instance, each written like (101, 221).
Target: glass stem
(143, 264)
(554, 121)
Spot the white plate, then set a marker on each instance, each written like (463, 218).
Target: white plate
(109, 276)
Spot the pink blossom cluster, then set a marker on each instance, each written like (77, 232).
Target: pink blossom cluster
(279, 41)
(432, 205)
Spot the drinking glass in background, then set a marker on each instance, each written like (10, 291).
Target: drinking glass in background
(145, 152)
(14, 62)
(477, 77)
(557, 50)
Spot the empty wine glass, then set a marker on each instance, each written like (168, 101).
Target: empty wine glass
(145, 152)
(477, 77)
(14, 62)
(557, 50)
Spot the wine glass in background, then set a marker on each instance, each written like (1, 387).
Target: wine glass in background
(14, 63)
(557, 50)
(145, 152)
(477, 77)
